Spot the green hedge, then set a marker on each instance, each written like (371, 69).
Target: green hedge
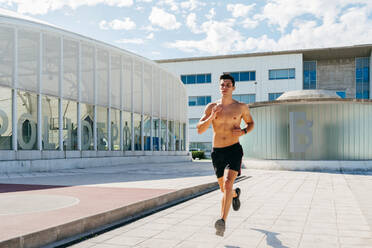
(198, 154)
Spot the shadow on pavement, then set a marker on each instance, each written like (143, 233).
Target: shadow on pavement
(271, 239)
(114, 174)
(9, 188)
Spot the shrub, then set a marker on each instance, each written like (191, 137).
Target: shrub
(198, 154)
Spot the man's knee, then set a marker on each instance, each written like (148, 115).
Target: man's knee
(228, 185)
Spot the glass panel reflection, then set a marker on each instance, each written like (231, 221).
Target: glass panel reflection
(137, 131)
(69, 128)
(50, 127)
(5, 119)
(102, 131)
(27, 120)
(127, 131)
(87, 120)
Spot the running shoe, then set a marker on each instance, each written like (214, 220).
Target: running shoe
(220, 227)
(236, 201)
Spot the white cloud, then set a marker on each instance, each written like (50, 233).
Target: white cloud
(163, 19)
(211, 14)
(191, 24)
(150, 36)
(240, 10)
(149, 28)
(221, 39)
(44, 6)
(116, 24)
(249, 23)
(144, 1)
(282, 12)
(191, 4)
(352, 26)
(130, 41)
(170, 3)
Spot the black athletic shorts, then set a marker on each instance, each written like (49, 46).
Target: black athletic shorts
(227, 157)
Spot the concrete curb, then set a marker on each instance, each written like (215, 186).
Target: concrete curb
(68, 232)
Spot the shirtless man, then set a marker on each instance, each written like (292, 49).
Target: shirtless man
(225, 115)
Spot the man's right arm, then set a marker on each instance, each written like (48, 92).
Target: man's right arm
(206, 120)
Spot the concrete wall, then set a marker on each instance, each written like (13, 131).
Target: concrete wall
(337, 74)
(48, 165)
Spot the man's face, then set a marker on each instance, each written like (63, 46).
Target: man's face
(226, 87)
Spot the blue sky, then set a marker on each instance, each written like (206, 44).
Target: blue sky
(190, 28)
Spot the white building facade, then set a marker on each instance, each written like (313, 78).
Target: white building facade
(70, 101)
(262, 77)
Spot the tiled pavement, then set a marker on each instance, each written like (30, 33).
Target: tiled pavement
(280, 209)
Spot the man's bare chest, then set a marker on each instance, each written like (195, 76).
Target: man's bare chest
(228, 115)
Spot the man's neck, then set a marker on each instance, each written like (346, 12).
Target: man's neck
(226, 100)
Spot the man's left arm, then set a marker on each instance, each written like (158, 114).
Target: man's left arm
(246, 115)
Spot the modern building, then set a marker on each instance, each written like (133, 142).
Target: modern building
(263, 77)
(70, 101)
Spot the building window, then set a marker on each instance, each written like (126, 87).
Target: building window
(196, 79)
(282, 74)
(247, 98)
(274, 96)
(243, 75)
(362, 78)
(199, 100)
(193, 122)
(341, 94)
(309, 75)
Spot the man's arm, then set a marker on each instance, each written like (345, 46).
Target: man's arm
(247, 118)
(209, 114)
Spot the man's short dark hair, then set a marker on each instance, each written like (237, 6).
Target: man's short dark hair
(228, 76)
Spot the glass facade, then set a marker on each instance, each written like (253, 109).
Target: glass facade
(171, 135)
(156, 134)
(50, 120)
(87, 127)
(309, 75)
(6, 119)
(163, 140)
(115, 129)
(27, 120)
(274, 96)
(68, 92)
(147, 132)
(362, 78)
(199, 100)
(245, 98)
(282, 74)
(127, 130)
(70, 126)
(102, 130)
(243, 76)
(137, 131)
(196, 78)
(177, 136)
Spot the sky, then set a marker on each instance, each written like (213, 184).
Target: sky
(168, 29)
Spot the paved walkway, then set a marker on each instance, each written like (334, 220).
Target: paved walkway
(39, 208)
(279, 209)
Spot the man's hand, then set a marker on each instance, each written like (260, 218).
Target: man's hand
(237, 132)
(216, 109)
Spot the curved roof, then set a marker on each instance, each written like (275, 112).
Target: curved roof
(308, 94)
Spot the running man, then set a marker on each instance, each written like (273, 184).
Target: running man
(225, 115)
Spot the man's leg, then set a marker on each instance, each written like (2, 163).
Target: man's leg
(228, 192)
(221, 183)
